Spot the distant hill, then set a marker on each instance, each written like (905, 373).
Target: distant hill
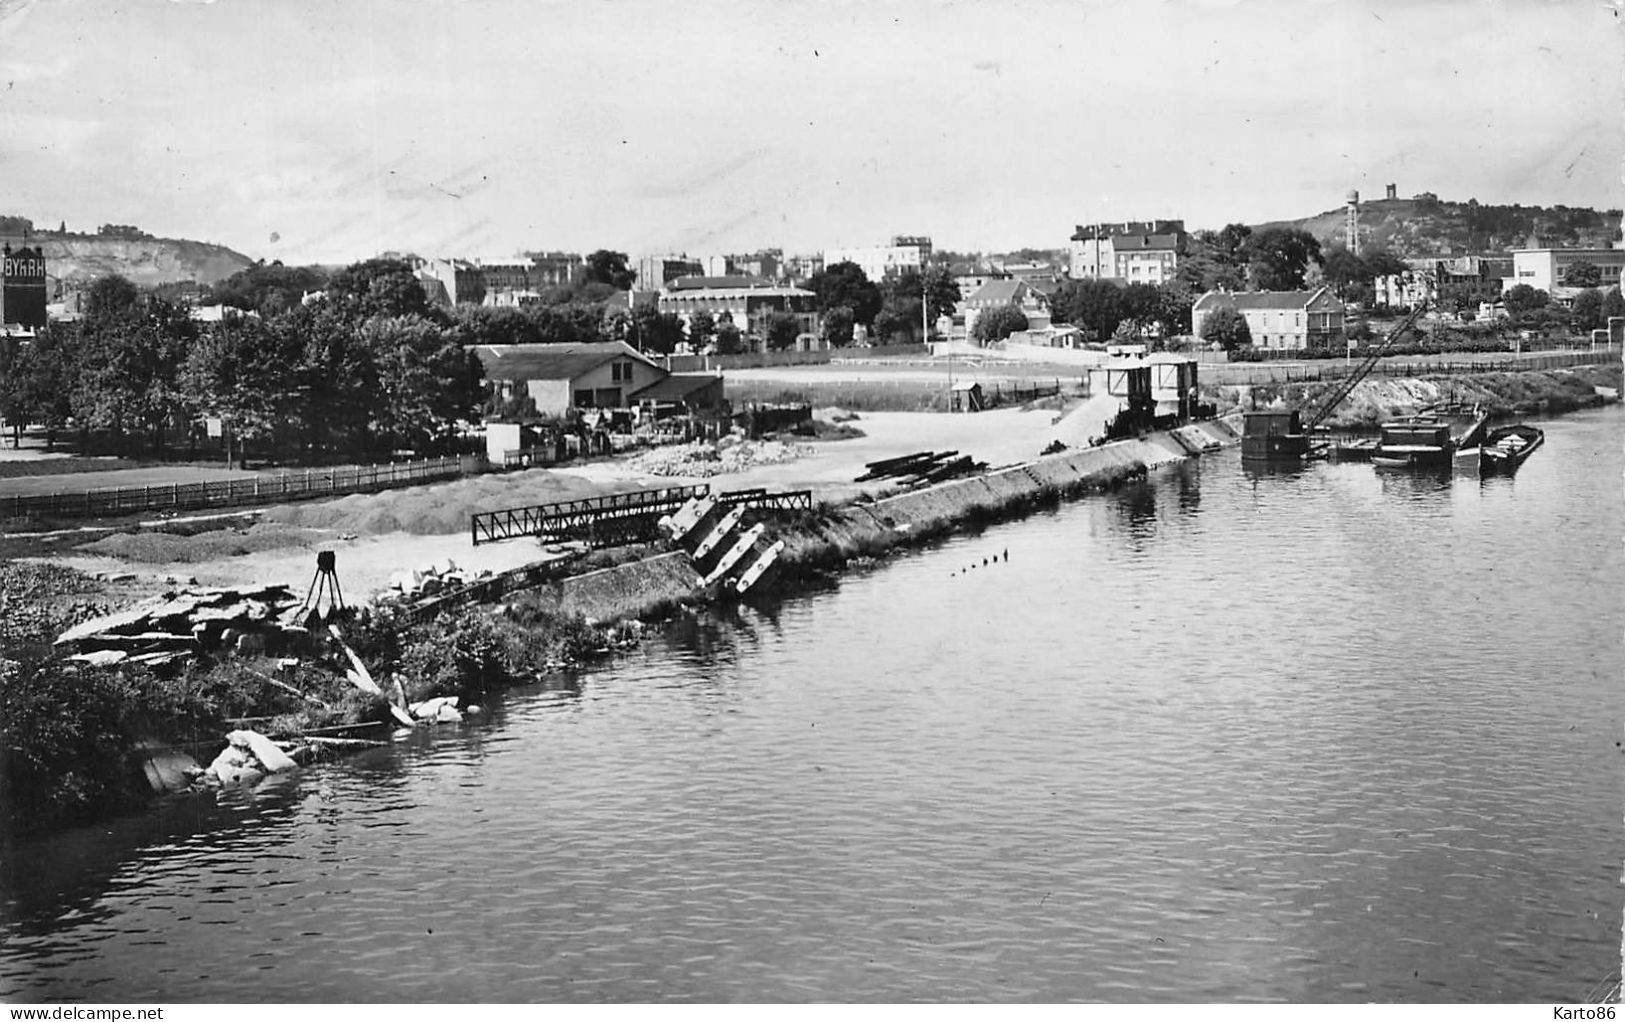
(145, 260)
(1428, 226)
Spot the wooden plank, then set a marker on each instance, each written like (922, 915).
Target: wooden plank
(720, 532)
(737, 551)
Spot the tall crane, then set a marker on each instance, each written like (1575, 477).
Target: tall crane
(1318, 413)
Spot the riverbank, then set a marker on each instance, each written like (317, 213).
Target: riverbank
(74, 733)
(76, 740)
(1499, 395)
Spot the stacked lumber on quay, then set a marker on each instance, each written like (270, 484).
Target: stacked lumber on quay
(922, 468)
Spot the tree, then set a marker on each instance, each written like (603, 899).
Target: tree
(110, 300)
(1521, 298)
(481, 324)
(334, 367)
(652, 330)
(1140, 307)
(268, 288)
(838, 326)
(1586, 315)
(702, 326)
(13, 387)
(606, 267)
(1612, 304)
(379, 287)
(888, 325)
(1229, 243)
(46, 374)
(427, 383)
(1346, 272)
(1466, 297)
(1278, 257)
(997, 324)
(846, 284)
(905, 292)
(781, 331)
(1383, 263)
(130, 354)
(246, 371)
(1583, 274)
(730, 341)
(1095, 306)
(572, 323)
(1228, 328)
(1174, 302)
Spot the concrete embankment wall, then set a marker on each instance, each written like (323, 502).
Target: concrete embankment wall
(868, 530)
(825, 540)
(624, 591)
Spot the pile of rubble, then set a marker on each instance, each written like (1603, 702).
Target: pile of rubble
(442, 577)
(703, 460)
(178, 624)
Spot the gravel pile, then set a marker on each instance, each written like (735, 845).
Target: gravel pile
(703, 460)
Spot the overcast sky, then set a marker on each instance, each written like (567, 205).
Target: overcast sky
(335, 129)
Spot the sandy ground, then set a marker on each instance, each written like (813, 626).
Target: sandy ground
(984, 372)
(366, 564)
(1001, 437)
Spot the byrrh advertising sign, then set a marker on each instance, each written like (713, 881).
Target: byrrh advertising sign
(24, 264)
(22, 298)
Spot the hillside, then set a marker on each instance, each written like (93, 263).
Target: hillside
(1426, 226)
(81, 258)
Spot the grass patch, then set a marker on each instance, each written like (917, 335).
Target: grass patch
(157, 546)
(857, 395)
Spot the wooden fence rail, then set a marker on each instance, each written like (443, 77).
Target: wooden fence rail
(263, 489)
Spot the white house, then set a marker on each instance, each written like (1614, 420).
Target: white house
(557, 377)
(1544, 268)
(1279, 319)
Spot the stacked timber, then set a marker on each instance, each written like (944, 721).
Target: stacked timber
(724, 549)
(178, 624)
(922, 468)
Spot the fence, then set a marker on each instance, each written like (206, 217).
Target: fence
(764, 359)
(1334, 369)
(1014, 395)
(264, 489)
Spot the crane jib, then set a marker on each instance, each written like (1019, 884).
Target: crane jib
(1361, 371)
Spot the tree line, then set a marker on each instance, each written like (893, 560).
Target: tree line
(366, 370)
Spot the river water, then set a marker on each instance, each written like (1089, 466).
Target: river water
(1335, 734)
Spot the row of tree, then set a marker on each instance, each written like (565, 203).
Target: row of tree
(369, 369)
(847, 298)
(1590, 310)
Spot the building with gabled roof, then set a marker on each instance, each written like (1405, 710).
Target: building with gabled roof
(558, 377)
(746, 302)
(683, 393)
(1140, 252)
(1279, 319)
(1001, 292)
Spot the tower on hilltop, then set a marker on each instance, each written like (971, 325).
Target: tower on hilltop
(1352, 224)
